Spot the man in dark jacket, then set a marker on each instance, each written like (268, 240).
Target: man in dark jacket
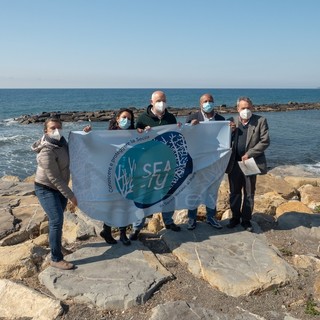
(206, 113)
(249, 140)
(155, 115)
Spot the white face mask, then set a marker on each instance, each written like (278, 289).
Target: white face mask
(56, 134)
(160, 106)
(245, 114)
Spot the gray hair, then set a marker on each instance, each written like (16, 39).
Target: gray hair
(246, 99)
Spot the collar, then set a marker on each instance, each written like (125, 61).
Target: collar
(205, 116)
(244, 123)
(156, 115)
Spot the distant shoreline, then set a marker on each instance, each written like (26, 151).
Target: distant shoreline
(106, 115)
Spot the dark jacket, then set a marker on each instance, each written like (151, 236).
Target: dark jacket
(149, 119)
(257, 142)
(199, 116)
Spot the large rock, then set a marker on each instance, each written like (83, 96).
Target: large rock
(304, 224)
(21, 260)
(8, 223)
(18, 301)
(297, 182)
(9, 188)
(310, 196)
(267, 203)
(237, 263)
(292, 206)
(28, 214)
(116, 277)
(74, 228)
(268, 182)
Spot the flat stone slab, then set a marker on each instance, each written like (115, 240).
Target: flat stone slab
(235, 261)
(182, 310)
(109, 277)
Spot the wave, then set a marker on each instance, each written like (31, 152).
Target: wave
(313, 168)
(298, 170)
(14, 140)
(8, 122)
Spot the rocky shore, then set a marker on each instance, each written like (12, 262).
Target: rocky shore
(272, 273)
(106, 115)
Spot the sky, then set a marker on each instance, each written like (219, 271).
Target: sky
(160, 44)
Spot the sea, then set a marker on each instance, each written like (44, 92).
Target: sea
(295, 140)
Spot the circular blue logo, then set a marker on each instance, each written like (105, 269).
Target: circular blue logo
(151, 171)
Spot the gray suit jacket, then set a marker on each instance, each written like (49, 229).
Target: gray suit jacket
(257, 142)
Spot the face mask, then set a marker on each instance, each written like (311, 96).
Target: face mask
(245, 114)
(124, 123)
(56, 134)
(160, 106)
(207, 107)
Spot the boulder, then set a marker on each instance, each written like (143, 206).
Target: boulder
(297, 182)
(268, 202)
(21, 260)
(28, 214)
(268, 182)
(310, 196)
(292, 206)
(18, 301)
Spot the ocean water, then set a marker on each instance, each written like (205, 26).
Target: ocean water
(294, 135)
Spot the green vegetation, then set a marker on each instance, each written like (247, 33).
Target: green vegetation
(316, 209)
(311, 307)
(286, 252)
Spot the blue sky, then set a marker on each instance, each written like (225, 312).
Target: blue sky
(159, 44)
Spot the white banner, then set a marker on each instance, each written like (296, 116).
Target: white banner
(119, 176)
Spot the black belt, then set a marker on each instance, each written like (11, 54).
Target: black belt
(44, 186)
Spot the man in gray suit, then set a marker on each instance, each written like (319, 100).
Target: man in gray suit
(250, 138)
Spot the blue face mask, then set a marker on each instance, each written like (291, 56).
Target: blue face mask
(207, 107)
(124, 123)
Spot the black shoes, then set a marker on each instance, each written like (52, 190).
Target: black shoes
(172, 226)
(247, 226)
(134, 235)
(106, 235)
(123, 238)
(233, 223)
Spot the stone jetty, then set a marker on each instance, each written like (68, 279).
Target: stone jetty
(106, 115)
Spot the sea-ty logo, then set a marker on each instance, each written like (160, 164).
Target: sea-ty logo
(151, 171)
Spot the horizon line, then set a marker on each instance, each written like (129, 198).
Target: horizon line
(158, 88)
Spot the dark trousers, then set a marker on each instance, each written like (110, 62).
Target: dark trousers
(242, 189)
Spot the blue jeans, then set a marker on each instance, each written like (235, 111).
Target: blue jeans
(211, 213)
(166, 217)
(53, 203)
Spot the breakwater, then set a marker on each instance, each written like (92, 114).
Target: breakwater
(106, 115)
